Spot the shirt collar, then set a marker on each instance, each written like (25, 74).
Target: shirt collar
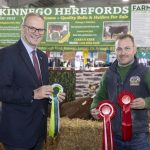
(120, 65)
(28, 48)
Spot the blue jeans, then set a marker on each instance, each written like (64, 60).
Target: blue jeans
(140, 141)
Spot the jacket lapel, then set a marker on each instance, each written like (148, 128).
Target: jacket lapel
(27, 60)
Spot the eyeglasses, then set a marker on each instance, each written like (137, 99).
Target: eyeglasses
(33, 30)
(126, 49)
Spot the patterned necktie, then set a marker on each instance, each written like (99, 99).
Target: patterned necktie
(36, 65)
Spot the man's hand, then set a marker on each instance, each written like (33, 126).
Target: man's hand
(43, 92)
(138, 103)
(94, 113)
(61, 97)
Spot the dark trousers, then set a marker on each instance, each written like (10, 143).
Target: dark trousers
(38, 146)
(140, 141)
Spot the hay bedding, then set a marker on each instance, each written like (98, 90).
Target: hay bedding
(76, 134)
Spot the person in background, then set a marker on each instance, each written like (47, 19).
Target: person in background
(126, 74)
(24, 89)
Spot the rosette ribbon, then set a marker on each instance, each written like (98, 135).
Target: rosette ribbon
(124, 100)
(106, 112)
(54, 124)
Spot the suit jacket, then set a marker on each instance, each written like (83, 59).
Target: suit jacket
(23, 120)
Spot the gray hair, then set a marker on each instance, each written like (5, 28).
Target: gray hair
(31, 14)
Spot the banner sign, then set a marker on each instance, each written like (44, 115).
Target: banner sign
(72, 28)
(140, 24)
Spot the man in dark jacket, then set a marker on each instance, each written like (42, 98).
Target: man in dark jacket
(24, 89)
(125, 74)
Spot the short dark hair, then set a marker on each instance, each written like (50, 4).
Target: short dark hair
(124, 36)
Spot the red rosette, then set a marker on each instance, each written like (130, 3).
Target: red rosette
(124, 100)
(106, 107)
(106, 111)
(125, 97)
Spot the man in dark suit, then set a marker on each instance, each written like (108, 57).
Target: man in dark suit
(23, 93)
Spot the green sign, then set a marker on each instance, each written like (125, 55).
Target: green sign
(73, 28)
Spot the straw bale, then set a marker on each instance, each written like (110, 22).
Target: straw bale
(77, 134)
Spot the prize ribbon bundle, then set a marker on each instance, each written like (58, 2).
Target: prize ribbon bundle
(107, 111)
(54, 124)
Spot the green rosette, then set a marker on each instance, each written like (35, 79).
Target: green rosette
(55, 114)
